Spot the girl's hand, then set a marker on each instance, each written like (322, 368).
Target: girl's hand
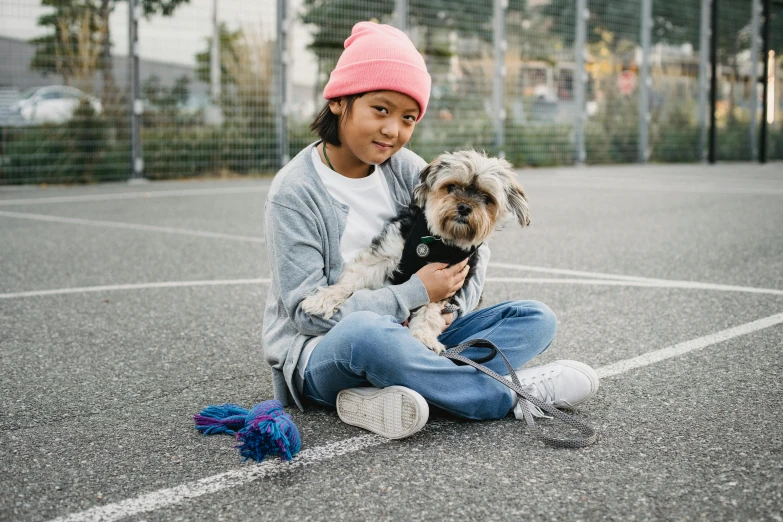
(443, 281)
(449, 318)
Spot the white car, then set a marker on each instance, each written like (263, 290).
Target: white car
(52, 104)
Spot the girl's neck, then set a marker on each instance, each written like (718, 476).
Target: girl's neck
(344, 166)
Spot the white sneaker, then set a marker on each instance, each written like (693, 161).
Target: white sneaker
(563, 384)
(394, 412)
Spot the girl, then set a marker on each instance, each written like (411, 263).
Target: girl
(328, 203)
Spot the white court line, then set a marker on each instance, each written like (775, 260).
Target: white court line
(685, 189)
(129, 226)
(566, 271)
(649, 281)
(177, 495)
(138, 286)
(697, 177)
(688, 346)
(238, 477)
(133, 195)
(529, 280)
(644, 284)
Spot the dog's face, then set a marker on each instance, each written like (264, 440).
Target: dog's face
(466, 194)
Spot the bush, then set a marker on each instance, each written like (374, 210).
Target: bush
(299, 137)
(733, 142)
(467, 129)
(540, 144)
(606, 145)
(676, 145)
(597, 143)
(775, 143)
(179, 152)
(81, 150)
(674, 136)
(89, 148)
(534, 144)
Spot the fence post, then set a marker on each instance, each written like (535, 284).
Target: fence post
(401, 15)
(580, 79)
(214, 56)
(498, 84)
(754, 97)
(704, 43)
(281, 66)
(645, 82)
(711, 156)
(136, 104)
(765, 78)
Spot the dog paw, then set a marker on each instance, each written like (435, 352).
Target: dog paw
(437, 347)
(432, 343)
(323, 304)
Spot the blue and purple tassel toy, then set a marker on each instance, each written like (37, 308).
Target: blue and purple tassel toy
(262, 431)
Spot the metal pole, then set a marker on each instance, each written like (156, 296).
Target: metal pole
(765, 79)
(713, 79)
(499, 110)
(281, 66)
(754, 98)
(401, 15)
(214, 56)
(136, 104)
(645, 82)
(704, 43)
(580, 79)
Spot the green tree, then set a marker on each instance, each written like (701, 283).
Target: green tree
(246, 72)
(73, 46)
(673, 22)
(247, 82)
(64, 39)
(333, 22)
(435, 18)
(149, 8)
(164, 102)
(230, 43)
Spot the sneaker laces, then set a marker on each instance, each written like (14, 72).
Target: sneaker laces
(589, 435)
(542, 387)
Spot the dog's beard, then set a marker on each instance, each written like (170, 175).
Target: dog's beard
(464, 232)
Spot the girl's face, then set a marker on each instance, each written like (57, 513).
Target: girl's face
(377, 126)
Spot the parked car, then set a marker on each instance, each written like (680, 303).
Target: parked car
(52, 104)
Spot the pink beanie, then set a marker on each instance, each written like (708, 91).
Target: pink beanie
(380, 58)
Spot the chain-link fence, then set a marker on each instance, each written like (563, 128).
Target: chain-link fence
(116, 89)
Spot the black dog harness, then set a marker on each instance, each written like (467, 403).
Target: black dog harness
(422, 248)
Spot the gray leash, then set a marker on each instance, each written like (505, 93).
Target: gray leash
(590, 435)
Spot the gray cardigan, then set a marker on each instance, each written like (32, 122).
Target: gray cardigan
(303, 225)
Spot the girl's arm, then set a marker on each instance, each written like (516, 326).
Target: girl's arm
(297, 259)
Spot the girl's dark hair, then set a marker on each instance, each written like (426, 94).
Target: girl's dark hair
(327, 124)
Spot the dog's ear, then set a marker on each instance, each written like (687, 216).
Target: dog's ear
(517, 202)
(421, 190)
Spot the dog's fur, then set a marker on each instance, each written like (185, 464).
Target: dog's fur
(463, 196)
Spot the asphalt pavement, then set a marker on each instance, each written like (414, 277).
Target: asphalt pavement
(125, 309)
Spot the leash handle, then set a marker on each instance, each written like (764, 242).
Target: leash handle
(590, 435)
(474, 343)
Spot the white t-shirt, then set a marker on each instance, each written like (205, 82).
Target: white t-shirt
(369, 201)
(370, 207)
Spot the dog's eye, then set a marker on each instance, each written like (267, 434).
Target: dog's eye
(450, 187)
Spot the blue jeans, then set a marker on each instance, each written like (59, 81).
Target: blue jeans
(367, 349)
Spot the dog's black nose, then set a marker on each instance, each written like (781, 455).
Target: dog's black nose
(464, 209)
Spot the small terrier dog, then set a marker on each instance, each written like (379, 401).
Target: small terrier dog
(460, 199)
